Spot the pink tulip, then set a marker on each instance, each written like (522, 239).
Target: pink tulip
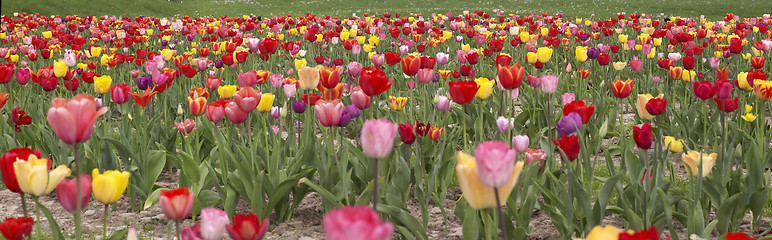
(533, 81)
(505, 124)
(567, 98)
(185, 127)
(329, 112)
(65, 193)
(213, 222)
(548, 83)
(73, 119)
(212, 83)
(715, 62)
(520, 143)
(203, 63)
(354, 69)
(495, 161)
(247, 99)
(361, 223)
(443, 104)
(23, 75)
(425, 75)
(176, 203)
(277, 80)
(378, 137)
(461, 56)
(234, 113)
(442, 58)
(290, 90)
(192, 233)
(378, 59)
(248, 79)
(359, 98)
(216, 111)
(636, 64)
(120, 93)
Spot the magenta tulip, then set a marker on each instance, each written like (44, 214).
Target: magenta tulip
(378, 137)
(495, 161)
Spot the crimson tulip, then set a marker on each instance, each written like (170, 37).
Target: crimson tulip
(569, 145)
(738, 236)
(406, 133)
(604, 59)
(581, 108)
(656, 106)
(6, 72)
(374, 81)
(703, 89)
(16, 228)
(392, 58)
(422, 129)
(688, 62)
(643, 136)
(119, 93)
(247, 227)
(727, 105)
(723, 89)
(650, 234)
(19, 119)
(462, 92)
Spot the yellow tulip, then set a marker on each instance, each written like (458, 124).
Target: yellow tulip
(14, 58)
(476, 194)
(485, 87)
(746, 56)
(374, 40)
(742, 80)
(748, 108)
(167, 53)
(309, 77)
(622, 38)
(361, 40)
(651, 54)
(693, 158)
(689, 75)
(109, 186)
(581, 54)
(657, 41)
(604, 233)
(60, 70)
(643, 99)
(105, 60)
(544, 31)
(280, 36)
(300, 63)
(762, 89)
(95, 51)
(544, 54)
(367, 48)
(344, 35)
(227, 91)
(524, 37)
(266, 102)
(532, 57)
(47, 34)
(674, 145)
(397, 103)
(749, 117)
(465, 47)
(619, 66)
(34, 178)
(82, 66)
(102, 84)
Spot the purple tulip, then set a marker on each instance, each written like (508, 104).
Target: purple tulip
(299, 106)
(144, 82)
(569, 124)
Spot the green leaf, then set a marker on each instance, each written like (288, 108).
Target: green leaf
(56, 232)
(155, 165)
(108, 158)
(119, 235)
(208, 198)
(403, 218)
(153, 198)
(325, 194)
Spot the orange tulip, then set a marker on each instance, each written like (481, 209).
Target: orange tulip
(144, 99)
(329, 77)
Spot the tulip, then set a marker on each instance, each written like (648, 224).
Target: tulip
(234, 113)
(532, 155)
(510, 77)
(16, 228)
(478, 195)
(581, 54)
(185, 127)
(120, 93)
(693, 159)
(435, 133)
(377, 137)
(496, 161)
(3, 99)
(703, 90)
(247, 227)
(309, 77)
(247, 79)
(109, 186)
(247, 99)
(608, 232)
(397, 103)
(505, 124)
(102, 84)
(544, 54)
(60, 69)
(329, 76)
(548, 83)
(73, 119)
(197, 106)
(6, 166)
(636, 65)
(266, 102)
(763, 89)
(463, 92)
(213, 223)
(299, 106)
(374, 81)
(216, 111)
(723, 89)
(619, 66)
(569, 146)
(144, 99)
(656, 106)
(176, 203)
(34, 178)
(484, 88)
(622, 89)
(673, 145)
(581, 108)
(191, 233)
(23, 75)
(643, 100)
(642, 136)
(66, 193)
(727, 105)
(406, 133)
(520, 143)
(411, 64)
(757, 62)
(569, 124)
(356, 223)
(227, 91)
(329, 112)
(18, 118)
(359, 98)
(213, 83)
(425, 75)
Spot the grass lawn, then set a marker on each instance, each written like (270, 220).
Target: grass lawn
(712, 9)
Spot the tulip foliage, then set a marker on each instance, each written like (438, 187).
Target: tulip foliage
(662, 122)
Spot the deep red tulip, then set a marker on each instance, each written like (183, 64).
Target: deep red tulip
(120, 93)
(16, 228)
(569, 145)
(6, 166)
(650, 234)
(502, 60)
(665, 63)
(410, 65)
(406, 133)
(6, 72)
(462, 92)
(723, 89)
(703, 90)
(738, 236)
(19, 119)
(88, 77)
(473, 58)
(428, 62)
(727, 105)
(656, 106)
(247, 227)
(176, 203)
(392, 58)
(688, 62)
(465, 70)
(374, 81)
(311, 99)
(510, 77)
(642, 136)
(49, 84)
(422, 129)
(604, 59)
(581, 108)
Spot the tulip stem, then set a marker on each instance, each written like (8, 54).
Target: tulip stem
(76, 215)
(501, 216)
(177, 227)
(549, 117)
(104, 221)
(463, 121)
(23, 204)
(375, 185)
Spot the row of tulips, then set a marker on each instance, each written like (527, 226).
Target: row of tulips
(375, 77)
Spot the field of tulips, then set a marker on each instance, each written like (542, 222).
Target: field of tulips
(465, 125)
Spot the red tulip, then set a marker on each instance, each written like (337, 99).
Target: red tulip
(642, 136)
(422, 129)
(392, 58)
(247, 227)
(462, 92)
(502, 60)
(722, 74)
(428, 62)
(622, 89)
(688, 62)
(510, 77)
(604, 59)
(144, 99)
(650, 234)
(583, 73)
(406, 133)
(66, 193)
(757, 62)
(3, 99)
(176, 203)
(6, 72)
(723, 89)
(374, 81)
(569, 145)
(656, 106)
(88, 77)
(49, 84)
(310, 99)
(472, 58)
(329, 77)
(234, 113)
(6, 166)
(665, 63)
(410, 65)
(216, 111)
(738, 236)
(727, 105)
(703, 90)
(16, 228)
(120, 93)
(212, 83)
(19, 119)
(581, 108)
(73, 119)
